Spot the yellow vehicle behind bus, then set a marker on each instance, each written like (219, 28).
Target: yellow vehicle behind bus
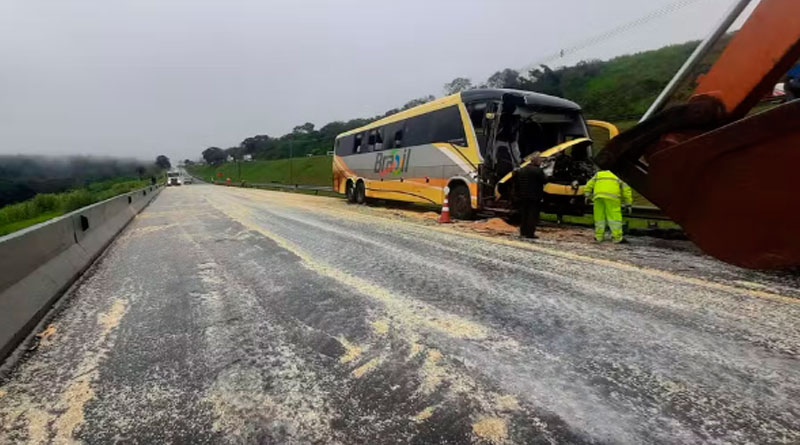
(470, 144)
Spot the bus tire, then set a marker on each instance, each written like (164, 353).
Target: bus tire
(350, 192)
(460, 201)
(361, 193)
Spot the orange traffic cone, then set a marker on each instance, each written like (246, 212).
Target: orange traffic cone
(444, 218)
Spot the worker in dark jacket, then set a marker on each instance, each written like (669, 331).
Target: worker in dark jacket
(530, 190)
(792, 85)
(792, 88)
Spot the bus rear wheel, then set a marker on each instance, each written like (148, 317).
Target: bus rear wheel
(460, 202)
(350, 192)
(361, 193)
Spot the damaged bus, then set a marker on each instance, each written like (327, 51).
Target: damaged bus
(471, 144)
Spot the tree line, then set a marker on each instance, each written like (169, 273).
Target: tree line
(615, 90)
(305, 139)
(22, 176)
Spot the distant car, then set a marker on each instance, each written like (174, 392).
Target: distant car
(188, 180)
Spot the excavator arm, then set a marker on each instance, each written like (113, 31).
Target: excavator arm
(726, 175)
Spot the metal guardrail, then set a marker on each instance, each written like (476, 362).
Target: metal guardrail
(653, 213)
(320, 188)
(275, 185)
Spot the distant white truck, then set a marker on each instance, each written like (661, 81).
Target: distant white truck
(173, 178)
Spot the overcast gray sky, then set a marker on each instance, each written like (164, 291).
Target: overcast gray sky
(144, 77)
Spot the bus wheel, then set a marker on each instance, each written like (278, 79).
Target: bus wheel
(350, 192)
(459, 200)
(361, 193)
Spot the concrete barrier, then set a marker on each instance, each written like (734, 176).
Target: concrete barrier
(39, 263)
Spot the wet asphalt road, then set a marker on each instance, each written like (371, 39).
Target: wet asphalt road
(240, 316)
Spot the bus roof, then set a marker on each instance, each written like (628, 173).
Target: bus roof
(532, 99)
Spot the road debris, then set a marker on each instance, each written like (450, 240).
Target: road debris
(493, 429)
(283, 318)
(44, 337)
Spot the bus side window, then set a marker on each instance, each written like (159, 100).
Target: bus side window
(398, 138)
(344, 145)
(371, 141)
(477, 114)
(419, 130)
(447, 126)
(357, 143)
(379, 139)
(388, 135)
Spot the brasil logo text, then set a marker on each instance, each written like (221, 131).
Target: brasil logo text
(394, 162)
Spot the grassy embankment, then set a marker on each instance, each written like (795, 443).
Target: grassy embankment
(305, 171)
(46, 206)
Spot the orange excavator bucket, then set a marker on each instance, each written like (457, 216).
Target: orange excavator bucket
(728, 178)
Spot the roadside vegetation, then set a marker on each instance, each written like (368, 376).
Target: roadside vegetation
(22, 176)
(315, 170)
(45, 206)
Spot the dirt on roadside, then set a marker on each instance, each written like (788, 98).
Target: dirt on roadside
(492, 225)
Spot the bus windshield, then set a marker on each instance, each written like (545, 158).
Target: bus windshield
(533, 131)
(521, 131)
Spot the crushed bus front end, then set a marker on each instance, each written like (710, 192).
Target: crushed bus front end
(512, 127)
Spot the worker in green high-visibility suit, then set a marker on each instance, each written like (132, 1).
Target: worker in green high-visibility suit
(609, 194)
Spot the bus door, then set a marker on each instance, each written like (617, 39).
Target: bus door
(503, 150)
(483, 118)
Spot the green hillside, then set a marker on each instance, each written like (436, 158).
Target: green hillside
(615, 90)
(622, 88)
(314, 170)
